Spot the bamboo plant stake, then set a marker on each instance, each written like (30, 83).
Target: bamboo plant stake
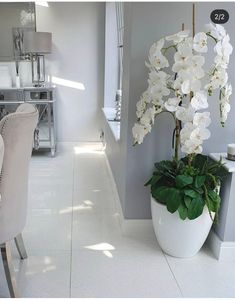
(177, 122)
(177, 129)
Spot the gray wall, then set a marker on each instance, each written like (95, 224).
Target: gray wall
(146, 23)
(78, 31)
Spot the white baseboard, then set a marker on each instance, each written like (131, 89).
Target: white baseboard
(126, 224)
(223, 250)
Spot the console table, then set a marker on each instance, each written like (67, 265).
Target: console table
(44, 99)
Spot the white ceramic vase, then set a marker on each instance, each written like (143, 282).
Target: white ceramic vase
(17, 81)
(176, 237)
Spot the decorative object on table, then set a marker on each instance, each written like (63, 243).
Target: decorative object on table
(5, 77)
(37, 44)
(18, 34)
(187, 187)
(19, 15)
(17, 74)
(231, 152)
(118, 105)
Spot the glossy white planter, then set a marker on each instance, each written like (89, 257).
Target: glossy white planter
(176, 237)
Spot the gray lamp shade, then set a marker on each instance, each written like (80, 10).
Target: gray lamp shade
(37, 42)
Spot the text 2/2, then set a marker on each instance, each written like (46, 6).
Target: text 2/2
(219, 16)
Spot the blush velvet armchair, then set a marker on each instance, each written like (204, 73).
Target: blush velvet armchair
(17, 131)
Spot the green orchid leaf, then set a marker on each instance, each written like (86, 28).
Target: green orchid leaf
(148, 182)
(160, 193)
(195, 208)
(153, 180)
(213, 201)
(182, 181)
(199, 181)
(173, 199)
(191, 193)
(187, 201)
(183, 211)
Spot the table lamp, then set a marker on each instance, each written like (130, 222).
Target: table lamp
(37, 44)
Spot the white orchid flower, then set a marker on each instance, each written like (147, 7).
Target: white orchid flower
(156, 47)
(178, 37)
(193, 85)
(185, 114)
(141, 106)
(158, 60)
(217, 31)
(190, 68)
(221, 61)
(223, 117)
(198, 72)
(224, 47)
(139, 132)
(196, 63)
(158, 102)
(199, 101)
(172, 104)
(191, 74)
(227, 91)
(219, 78)
(200, 42)
(178, 83)
(178, 66)
(191, 146)
(197, 60)
(225, 109)
(185, 49)
(146, 96)
(156, 77)
(220, 31)
(224, 102)
(200, 134)
(179, 58)
(186, 131)
(159, 90)
(202, 120)
(148, 117)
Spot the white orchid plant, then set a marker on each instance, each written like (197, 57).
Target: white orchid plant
(185, 90)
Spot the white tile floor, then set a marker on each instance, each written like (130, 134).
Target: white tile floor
(77, 248)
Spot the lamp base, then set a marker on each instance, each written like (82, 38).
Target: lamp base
(36, 85)
(38, 69)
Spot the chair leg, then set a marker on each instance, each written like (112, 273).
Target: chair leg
(20, 246)
(8, 268)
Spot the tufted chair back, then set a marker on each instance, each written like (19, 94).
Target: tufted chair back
(17, 131)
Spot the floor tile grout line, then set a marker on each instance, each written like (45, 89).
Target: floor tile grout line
(177, 283)
(71, 232)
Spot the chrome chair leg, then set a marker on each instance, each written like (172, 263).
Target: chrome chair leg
(20, 246)
(8, 268)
